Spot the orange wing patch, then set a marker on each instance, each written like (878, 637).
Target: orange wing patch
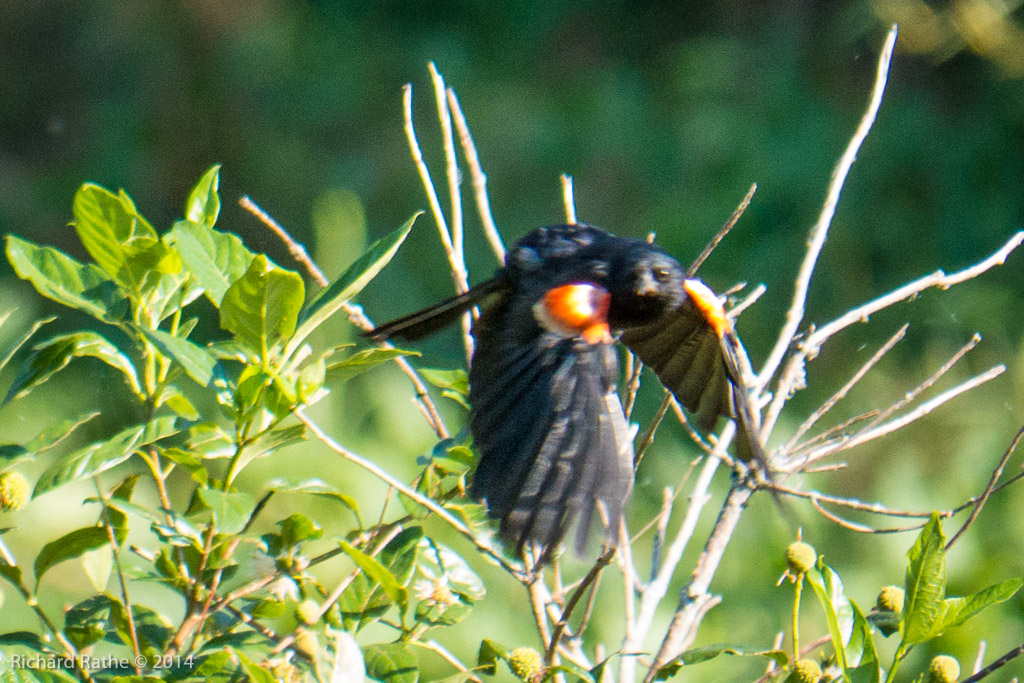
(707, 303)
(576, 310)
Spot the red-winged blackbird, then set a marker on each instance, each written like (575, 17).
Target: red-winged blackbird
(546, 417)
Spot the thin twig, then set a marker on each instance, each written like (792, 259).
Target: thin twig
(354, 312)
(819, 233)
(476, 171)
(881, 430)
(844, 390)
(996, 665)
(595, 571)
(417, 497)
(720, 235)
(114, 550)
(993, 480)
(746, 302)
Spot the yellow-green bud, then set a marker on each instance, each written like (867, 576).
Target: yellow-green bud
(804, 671)
(308, 612)
(943, 669)
(14, 491)
(306, 643)
(890, 599)
(800, 557)
(525, 663)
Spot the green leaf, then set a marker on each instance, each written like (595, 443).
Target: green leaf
(57, 432)
(110, 227)
(35, 676)
(861, 649)
(298, 528)
(489, 655)
(102, 455)
(231, 510)
(203, 204)
(317, 487)
(348, 284)
(437, 561)
(276, 439)
(925, 583)
(26, 639)
(453, 383)
(57, 276)
(69, 546)
(255, 672)
(262, 307)
(21, 341)
(216, 259)
(958, 610)
(53, 355)
(828, 588)
(378, 573)
(196, 361)
(87, 622)
(391, 663)
(97, 565)
(11, 573)
(361, 361)
(709, 652)
(572, 670)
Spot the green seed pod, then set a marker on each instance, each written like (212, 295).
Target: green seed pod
(800, 557)
(306, 643)
(15, 493)
(943, 669)
(890, 599)
(805, 671)
(525, 663)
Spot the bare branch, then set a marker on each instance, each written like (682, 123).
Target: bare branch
(419, 498)
(819, 232)
(720, 235)
(476, 171)
(844, 390)
(993, 480)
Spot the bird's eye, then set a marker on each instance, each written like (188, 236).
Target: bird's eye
(661, 274)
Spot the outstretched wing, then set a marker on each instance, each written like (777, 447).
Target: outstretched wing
(685, 353)
(553, 441)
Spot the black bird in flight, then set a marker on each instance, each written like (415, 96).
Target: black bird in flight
(546, 418)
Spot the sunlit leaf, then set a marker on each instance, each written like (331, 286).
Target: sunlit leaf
(925, 583)
(359, 362)
(261, 308)
(57, 276)
(348, 284)
(231, 510)
(69, 546)
(391, 663)
(196, 361)
(216, 259)
(102, 455)
(109, 227)
(203, 203)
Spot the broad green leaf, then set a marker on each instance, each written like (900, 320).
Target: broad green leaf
(12, 453)
(824, 581)
(925, 583)
(216, 259)
(391, 663)
(572, 670)
(57, 432)
(172, 397)
(203, 204)
(69, 546)
(454, 384)
(110, 227)
(33, 641)
(102, 455)
(709, 652)
(255, 672)
(231, 510)
(10, 572)
(298, 528)
(57, 276)
(276, 439)
(378, 573)
(97, 565)
(21, 341)
(86, 622)
(348, 284)
(317, 487)
(35, 676)
(861, 649)
(261, 308)
(196, 361)
(189, 462)
(53, 355)
(212, 664)
(359, 362)
(958, 610)
(488, 656)
(437, 561)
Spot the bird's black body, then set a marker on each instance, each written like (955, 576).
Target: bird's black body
(546, 418)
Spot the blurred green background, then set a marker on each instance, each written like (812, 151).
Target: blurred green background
(664, 113)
